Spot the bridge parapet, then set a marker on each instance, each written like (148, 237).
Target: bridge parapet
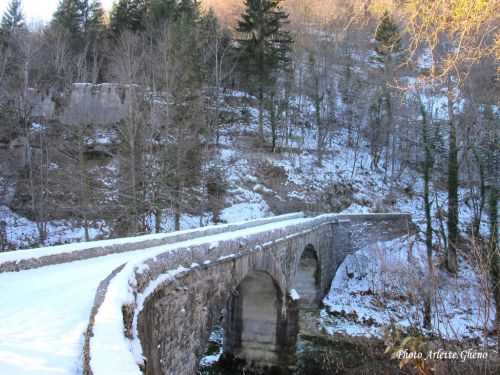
(167, 303)
(35, 258)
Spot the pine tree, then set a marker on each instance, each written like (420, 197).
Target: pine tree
(388, 52)
(13, 18)
(128, 15)
(81, 26)
(387, 37)
(12, 21)
(13, 53)
(160, 11)
(189, 8)
(93, 18)
(264, 46)
(67, 16)
(79, 18)
(183, 157)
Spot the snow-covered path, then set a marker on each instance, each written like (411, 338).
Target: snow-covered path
(44, 313)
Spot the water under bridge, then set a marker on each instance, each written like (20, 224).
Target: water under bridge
(148, 304)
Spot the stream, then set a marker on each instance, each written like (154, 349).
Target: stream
(317, 353)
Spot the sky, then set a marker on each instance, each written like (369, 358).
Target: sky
(36, 10)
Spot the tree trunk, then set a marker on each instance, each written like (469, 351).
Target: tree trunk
(177, 217)
(482, 198)
(261, 115)
(428, 218)
(319, 123)
(158, 216)
(273, 119)
(494, 255)
(451, 252)
(83, 181)
(388, 129)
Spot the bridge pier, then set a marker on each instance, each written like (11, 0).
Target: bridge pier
(257, 327)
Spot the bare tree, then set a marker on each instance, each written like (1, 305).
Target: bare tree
(126, 68)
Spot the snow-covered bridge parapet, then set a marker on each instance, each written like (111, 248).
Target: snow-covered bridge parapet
(155, 315)
(36, 258)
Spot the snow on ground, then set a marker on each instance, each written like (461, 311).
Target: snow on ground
(371, 286)
(245, 211)
(244, 201)
(385, 284)
(22, 232)
(250, 196)
(216, 339)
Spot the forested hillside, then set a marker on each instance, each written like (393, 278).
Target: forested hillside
(161, 115)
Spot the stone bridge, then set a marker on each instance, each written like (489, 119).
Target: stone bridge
(154, 313)
(248, 277)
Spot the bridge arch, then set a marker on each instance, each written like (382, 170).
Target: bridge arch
(252, 320)
(258, 318)
(307, 278)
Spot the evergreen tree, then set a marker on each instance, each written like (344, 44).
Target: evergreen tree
(80, 26)
(93, 17)
(67, 16)
(188, 8)
(387, 37)
(12, 22)
(128, 15)
(80, 18)
(161, 11)
(183, 157)
(264, 46)
(388, 52)
(13, 18)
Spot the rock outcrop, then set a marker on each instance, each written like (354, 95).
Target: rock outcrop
(96, 104)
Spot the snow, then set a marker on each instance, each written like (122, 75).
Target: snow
(35, 126)
(102, 137)
(209, 359)
(426, 59)
(45, 335)
(294, 295)
(385, 283)
(22, 232)
(226, 257)
(245, 211)
(45, 312)
(215, 337)
(140, 299)
(239, 94)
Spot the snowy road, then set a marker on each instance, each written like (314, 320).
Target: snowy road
(44, 313)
